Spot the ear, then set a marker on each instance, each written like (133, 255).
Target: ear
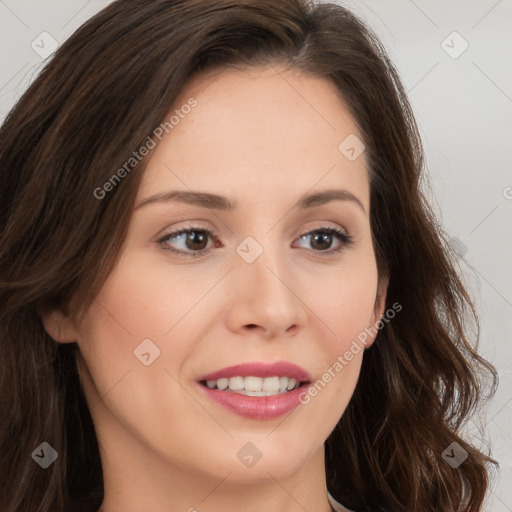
(378, 311)
(58, 325)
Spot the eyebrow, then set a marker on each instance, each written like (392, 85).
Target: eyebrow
(216, 202)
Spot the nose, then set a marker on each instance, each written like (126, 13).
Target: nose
(264, 297)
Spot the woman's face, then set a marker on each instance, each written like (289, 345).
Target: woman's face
(265, 282)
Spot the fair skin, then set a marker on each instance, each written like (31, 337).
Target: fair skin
(262, 138)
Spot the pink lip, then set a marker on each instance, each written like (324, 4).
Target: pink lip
(279, 369)
(257, 407)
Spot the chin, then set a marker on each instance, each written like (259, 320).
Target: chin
(274, 454)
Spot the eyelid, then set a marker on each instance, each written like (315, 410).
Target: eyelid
(211, 233)
(188, 225)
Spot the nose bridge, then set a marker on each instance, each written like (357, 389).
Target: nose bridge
(265, 295)
(270, 267)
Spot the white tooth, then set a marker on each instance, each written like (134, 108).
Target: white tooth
(270, 384)
(222, 384)
(253, 384)
(236, 383)
(291, 384)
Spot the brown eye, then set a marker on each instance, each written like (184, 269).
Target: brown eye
(187, 242)
(321, 240)
(196, 240)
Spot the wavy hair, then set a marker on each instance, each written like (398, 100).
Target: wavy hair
(95, 102)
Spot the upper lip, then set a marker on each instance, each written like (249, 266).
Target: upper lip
(257, 369)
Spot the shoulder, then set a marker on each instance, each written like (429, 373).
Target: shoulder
(338, 507)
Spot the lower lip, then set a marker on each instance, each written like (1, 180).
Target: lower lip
(256, 407)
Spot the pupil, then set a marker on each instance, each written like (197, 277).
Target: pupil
(194, 238)
(324, 238)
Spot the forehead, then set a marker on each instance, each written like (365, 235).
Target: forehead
(256, 131)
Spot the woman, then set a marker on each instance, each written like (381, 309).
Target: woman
(221, 287)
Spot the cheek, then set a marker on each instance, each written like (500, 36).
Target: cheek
(129, 319)
(139, 303)
(121, 317)
(344, 312)
(143, 309)
(344, 301)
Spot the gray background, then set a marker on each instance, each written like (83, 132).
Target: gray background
(463, 104)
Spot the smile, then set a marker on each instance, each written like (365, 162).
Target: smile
(256, 390)
(254, 386)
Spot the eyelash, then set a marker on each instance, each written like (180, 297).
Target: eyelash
(342, 236)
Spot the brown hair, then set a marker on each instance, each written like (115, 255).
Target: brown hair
(96, 101)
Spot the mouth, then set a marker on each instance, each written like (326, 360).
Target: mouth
(257, 390)
(254, 386)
